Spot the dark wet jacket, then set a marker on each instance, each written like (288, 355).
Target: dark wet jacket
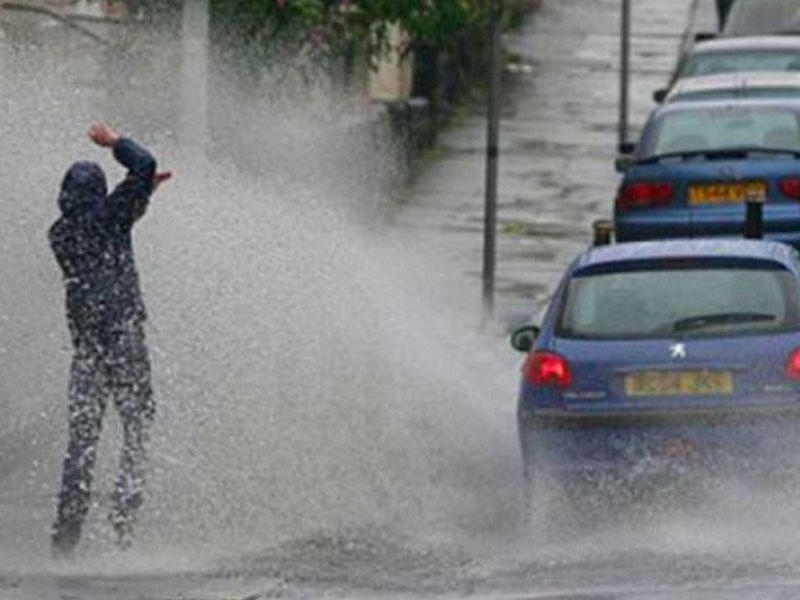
(92, 243)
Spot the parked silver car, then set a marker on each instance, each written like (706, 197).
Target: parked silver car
(738, 55)
(730, 86)
(762, 17)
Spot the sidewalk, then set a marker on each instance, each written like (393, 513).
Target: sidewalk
(558, 144)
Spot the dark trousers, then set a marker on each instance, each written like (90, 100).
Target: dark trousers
(117, 370)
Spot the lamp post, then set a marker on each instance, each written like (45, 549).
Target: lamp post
(624, 71)
(492, 157)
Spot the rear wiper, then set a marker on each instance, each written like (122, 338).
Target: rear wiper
(744, 151)
(654, 158)
(710, 320)
(735, 152)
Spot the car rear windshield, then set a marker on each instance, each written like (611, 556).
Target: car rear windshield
(759, 17)
(738, 61)
(729, 126)
(682, 301)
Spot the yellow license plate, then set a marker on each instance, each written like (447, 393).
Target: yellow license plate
(679, 383)
(727, 193)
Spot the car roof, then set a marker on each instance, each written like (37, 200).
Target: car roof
(742, 80)
(749, 42)
(688, 248)
(793, 103)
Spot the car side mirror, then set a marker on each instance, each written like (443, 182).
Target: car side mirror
(702, 36)
(626, 148)
(522, 338)
(660, 95)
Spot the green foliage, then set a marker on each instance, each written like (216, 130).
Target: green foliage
(431, 23)
(331, 24)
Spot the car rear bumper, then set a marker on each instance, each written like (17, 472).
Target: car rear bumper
(781, 223)
(725, 440)
(651, 225)
(781, 408)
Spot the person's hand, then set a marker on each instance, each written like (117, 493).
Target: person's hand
(102, 135)
(161, 177)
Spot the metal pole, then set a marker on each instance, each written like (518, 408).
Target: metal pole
(624, 70)
(492, 155)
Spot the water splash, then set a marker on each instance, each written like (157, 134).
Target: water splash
(305, 385)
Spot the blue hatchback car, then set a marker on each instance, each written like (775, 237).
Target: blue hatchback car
(698, 163)
(654, 350)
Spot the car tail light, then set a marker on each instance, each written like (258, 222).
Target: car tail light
(790, 187)
(645, 194)
(548, 368)
(793, 365)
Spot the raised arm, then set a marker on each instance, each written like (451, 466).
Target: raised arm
(129, 199)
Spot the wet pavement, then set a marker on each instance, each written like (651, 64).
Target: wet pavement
(558, 143)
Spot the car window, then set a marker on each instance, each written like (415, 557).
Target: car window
(759, 17)
(738, 61)
(724, 127)
(729, 93)
(690, 302)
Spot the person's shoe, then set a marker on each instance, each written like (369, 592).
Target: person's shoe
(63, 542)
(123, 527)
(124, 536)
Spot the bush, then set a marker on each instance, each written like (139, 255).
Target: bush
(331, 26)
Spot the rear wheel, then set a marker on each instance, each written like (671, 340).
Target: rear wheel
(525, 431)
(537, 482)
(556, 501)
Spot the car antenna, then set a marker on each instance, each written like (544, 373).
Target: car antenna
(754, 217)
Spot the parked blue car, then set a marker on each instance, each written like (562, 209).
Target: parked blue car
(698, 163)
(651, 352)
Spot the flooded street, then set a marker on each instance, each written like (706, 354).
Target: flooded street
(332, 419)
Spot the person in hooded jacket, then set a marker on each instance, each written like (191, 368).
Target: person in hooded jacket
(105, 315)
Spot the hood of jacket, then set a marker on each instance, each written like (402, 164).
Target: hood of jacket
(83, 186)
